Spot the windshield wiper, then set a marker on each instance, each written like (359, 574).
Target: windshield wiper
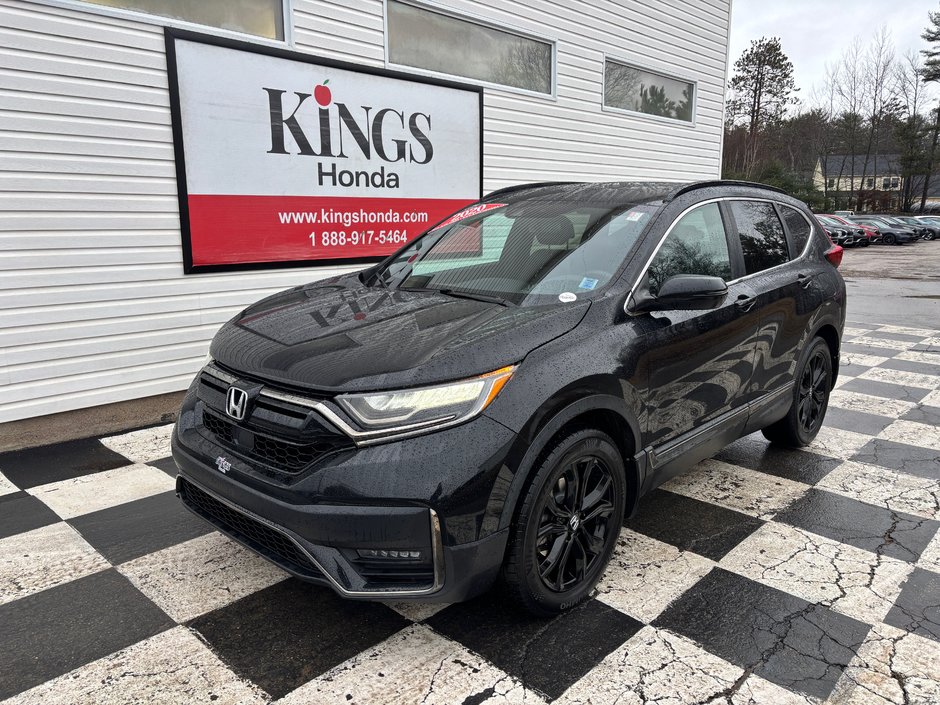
(458, 294)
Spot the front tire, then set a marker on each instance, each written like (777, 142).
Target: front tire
(889, 239)
(568, 524)
(810, 399)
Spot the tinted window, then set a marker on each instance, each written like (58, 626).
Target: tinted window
(762, 238)
(264, 18)
(695, 245)
(631, 88)
(799, 228)
(431, 40)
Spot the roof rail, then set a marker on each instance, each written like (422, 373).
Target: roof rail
(720, 182)
(521, 187)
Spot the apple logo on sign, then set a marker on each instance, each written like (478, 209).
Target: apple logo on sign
(322, 94)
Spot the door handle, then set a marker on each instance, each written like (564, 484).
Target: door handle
(745, 302)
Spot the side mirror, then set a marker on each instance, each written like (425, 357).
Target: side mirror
(682, 292)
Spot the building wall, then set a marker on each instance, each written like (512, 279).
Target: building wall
(94, 306)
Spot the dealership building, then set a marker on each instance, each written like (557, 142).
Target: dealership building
(165, 163)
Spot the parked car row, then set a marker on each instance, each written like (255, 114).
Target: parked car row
(850, 230)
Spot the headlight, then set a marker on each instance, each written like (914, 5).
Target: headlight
(387, 413)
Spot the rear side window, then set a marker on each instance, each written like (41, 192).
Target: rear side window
(798, 227)
(695, 245)
(762, 238)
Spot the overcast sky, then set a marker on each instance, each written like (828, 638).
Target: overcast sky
(816, 32)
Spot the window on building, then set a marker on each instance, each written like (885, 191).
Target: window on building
(263, 18)
(426, 39)
(630, 88)
(870, 181)
(762, 238)
(832, 182)
(695, 245)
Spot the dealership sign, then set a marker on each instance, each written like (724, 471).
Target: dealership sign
(284, 158)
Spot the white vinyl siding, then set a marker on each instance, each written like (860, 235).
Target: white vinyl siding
(94, 306)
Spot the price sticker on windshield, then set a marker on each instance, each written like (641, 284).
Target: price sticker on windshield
(469, 212)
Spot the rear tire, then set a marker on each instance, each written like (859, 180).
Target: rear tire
(810, 399)
(567, 525)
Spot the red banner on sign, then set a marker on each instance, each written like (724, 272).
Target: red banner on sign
(234, 229)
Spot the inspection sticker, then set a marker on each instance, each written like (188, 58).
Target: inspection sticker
(635, 215)
(588, 283)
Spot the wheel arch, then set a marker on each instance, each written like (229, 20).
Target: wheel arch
(828, 333)
(604, 412)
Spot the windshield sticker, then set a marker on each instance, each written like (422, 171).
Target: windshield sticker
(567, 297)
(588, 283)
(635, 215)
(468, 212)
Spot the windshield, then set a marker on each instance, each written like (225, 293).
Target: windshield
(521, 252)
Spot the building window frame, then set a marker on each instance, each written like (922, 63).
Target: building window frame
(162, 21)
(644, 65)
(473, 18)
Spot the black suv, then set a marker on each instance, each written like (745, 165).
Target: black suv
(496, 397)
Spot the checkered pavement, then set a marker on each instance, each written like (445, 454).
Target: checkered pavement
(761, 576)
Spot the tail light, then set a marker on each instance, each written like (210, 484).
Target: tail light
(834, 255)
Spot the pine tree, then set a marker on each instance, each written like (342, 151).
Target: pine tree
(763, 89)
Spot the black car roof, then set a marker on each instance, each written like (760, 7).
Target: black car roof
(612, 191)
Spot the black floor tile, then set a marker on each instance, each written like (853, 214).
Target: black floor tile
(858, 421)
(61, 461)
(788, 641)
(903, 337)
(915, 460)
(755, 453)
(867, 325)
(917, 608)
(21, 512)
(167, 464)
(692, 525)
(285, 635)
(852, 370)
(884, 389)
(892, 533)
(54, 631)
(546, 654)
(863, 349)
(924, 414)
(137, 528)
(921, 368)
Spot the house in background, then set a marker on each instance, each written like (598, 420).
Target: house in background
(874, 180)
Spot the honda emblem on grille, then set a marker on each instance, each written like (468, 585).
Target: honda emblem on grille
(236, 403)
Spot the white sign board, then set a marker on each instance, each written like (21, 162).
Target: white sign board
(287, 158)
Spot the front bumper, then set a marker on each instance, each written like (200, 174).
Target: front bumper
(426, 495)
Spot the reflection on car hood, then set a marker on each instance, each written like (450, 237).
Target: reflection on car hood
(340, 335)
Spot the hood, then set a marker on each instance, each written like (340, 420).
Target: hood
(339, 335)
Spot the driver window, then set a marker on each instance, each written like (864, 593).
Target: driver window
(695, 245)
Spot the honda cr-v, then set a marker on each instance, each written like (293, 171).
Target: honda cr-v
(494, 399)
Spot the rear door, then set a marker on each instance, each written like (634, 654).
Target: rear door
(772, 239)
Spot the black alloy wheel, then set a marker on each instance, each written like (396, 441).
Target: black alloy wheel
(813, 392)
(889, 239)
(812, 386)
(574, 523)
(567, 524)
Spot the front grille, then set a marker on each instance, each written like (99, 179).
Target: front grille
(283, 437)
(283, 455)
(262, 538)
